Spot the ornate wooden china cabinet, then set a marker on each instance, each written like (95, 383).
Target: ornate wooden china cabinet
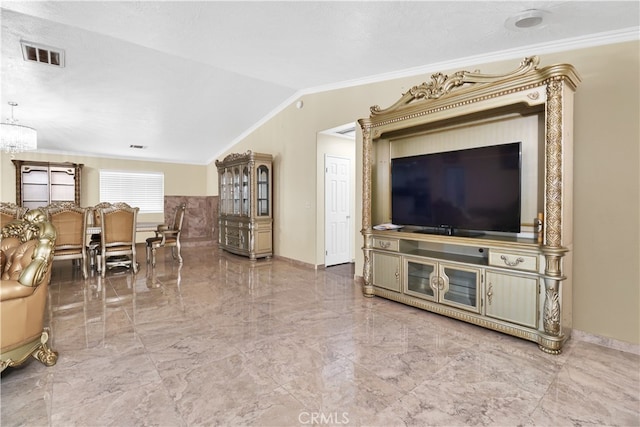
(42, 183)
(516, 283)
(245, 212)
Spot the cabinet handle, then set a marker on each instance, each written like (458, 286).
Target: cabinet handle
(437, 283)
(511, 263)
(490, 293)
(397, 275)
(384, 245)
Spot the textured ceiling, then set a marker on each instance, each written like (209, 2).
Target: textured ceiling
(156, 73)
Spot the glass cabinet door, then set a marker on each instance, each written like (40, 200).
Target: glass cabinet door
(236, 191)
(225, 192)
(35, 187)
(263, 191)
(245, 191)
(461, 286)
(419, 275)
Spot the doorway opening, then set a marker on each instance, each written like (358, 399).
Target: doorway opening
(336, 193)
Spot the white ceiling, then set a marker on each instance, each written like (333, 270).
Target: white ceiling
(187, 79)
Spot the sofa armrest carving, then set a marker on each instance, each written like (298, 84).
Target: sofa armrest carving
(27, 247)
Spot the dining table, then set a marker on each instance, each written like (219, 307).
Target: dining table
(140, 227)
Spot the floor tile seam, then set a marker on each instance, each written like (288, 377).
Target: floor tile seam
(430, 376)
(290, 393)
(210, 361)
(82, 403)
(543, 396)
(372, 372)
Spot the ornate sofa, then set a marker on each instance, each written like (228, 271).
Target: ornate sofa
(26, 254)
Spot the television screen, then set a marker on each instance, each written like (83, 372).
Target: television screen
(470, 189)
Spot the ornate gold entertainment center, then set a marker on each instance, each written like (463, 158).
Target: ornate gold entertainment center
(516, 283)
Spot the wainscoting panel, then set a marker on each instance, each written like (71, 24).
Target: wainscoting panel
(200, 227)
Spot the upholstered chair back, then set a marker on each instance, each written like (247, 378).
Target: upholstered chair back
(118, 235)
(10, 211)
(71, 222)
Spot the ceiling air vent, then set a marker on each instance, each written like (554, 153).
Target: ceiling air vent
(43, 54)
(351, 132)
(138, 147)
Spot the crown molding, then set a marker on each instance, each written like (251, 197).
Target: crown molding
(592, 40)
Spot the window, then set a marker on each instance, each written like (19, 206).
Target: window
(144, 190)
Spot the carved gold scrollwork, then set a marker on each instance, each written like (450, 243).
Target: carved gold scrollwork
(442, 84)
(236, 156)
(551, 316)
(366, 176)
(44, 354)
(439, 85)
(553, 157)
(367, 289)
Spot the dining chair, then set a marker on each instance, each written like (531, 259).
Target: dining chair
(10, 211)
(167, 236)
(94, 241)
(70, 221)
(117, 237)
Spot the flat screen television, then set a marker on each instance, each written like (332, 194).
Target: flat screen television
(476, 189)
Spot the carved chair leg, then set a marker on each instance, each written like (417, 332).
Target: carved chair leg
(153, 257)
(85, 273)
(134, 260)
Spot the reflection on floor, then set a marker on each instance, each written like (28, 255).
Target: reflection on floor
(223, 341)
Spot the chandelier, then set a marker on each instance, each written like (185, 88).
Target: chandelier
(16, 138)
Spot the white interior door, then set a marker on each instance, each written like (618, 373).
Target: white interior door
(337, 212)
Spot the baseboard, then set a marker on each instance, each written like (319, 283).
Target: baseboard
(295, 262)
(605, 342)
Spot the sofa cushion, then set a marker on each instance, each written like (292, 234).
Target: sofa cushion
(18, 257)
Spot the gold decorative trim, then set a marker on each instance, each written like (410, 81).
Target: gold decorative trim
(441, 84)
(236, 157)
(549, 344)
(553, 156)
(551, 316)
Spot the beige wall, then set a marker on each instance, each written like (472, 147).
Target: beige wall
(179, 179)
(606, 285)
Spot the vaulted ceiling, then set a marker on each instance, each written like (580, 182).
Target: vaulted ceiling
(187, 79)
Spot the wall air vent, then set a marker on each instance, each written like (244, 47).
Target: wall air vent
(43, 54)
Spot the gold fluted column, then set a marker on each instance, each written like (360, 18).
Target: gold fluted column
(552, 248)
(367, 288)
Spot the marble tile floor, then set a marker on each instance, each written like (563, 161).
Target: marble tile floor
(226, 342)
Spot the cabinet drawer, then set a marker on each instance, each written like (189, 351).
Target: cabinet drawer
(387, 244)
(517, 261)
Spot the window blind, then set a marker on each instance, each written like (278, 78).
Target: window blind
(144, 190)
